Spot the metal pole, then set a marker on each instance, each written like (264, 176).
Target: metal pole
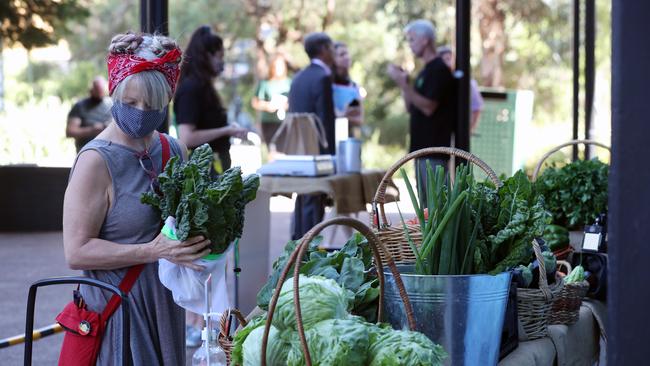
(154, 18)
(576, 73)
(463, 19)
(590, 67)
(628, 301)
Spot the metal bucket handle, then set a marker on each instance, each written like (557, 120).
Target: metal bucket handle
(301, 250)
(559, 147)
(380, 196)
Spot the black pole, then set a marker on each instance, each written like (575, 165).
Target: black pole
(576, 73)
(628, 319)
(154, 18)
(463, 19)
(590, 66)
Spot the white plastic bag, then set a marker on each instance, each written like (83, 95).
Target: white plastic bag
(188, 285)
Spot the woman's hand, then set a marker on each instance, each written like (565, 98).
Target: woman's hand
(238, 132)
(183, 253)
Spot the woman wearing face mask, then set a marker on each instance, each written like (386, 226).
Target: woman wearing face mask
(106, 230)
(199, 113)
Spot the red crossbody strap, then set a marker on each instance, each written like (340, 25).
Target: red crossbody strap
(134, 272)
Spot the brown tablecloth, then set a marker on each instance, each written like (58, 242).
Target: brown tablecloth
(349, 192)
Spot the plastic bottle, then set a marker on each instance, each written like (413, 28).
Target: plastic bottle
(210, 347)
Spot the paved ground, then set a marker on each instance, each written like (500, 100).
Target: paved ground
(27, 257)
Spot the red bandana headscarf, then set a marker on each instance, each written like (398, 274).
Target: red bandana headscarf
(121, 65)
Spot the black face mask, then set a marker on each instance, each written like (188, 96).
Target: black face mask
(96, 100)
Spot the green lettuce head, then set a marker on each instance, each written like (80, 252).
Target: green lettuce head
(247, 350)
(320, 299)
(333, 342)
(404, 348)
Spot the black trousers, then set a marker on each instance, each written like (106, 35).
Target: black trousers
(308, 212)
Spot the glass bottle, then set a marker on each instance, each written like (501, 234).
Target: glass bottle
(211, 348)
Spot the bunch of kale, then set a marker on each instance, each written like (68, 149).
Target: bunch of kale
(201, 204)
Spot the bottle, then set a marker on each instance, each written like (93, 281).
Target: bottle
(211, 348)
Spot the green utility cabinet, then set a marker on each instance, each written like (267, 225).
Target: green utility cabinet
(500, 137)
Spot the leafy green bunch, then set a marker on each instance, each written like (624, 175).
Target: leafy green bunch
(476, 227)
(513, 215)
(349, 267)
(575, 193)
(202, 205)
(448, 231)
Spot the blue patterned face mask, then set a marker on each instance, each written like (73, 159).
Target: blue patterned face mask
(136, 122)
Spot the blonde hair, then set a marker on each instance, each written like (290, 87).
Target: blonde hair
(156, 91)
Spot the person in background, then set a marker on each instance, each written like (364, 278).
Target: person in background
(200, 114)
(271, 97)
(106, 229)
(89, 116)
(476, 99)
(431, 101)
(311, 92)
(346, 93)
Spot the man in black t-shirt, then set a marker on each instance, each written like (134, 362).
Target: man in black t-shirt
(430, 101)
(89, 116)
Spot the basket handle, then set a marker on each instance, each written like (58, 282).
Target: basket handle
(543, 283)
(565, 264)
(223, 332)
(380, 195)
(559, 147)
(300, 251)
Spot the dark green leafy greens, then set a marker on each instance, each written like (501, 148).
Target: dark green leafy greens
(476, 227)
(202, 205)
(349, 267)
(575, 193)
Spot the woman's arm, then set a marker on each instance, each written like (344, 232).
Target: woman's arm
(193, 137)
(86, 203)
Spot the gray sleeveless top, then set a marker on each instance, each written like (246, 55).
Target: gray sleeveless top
(157, 323)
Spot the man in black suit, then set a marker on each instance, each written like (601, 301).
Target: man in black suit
(311, 92)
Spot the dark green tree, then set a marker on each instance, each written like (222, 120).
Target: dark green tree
(32, 23)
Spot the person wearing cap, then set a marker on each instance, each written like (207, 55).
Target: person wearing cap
(106, 229)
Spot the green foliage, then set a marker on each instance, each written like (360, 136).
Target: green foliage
(38, 23)
(576, 193)
(346, 266)
(202, 205)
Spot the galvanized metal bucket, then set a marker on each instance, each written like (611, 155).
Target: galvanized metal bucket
(464, 313)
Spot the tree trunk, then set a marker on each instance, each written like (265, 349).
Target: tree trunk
(491, 20)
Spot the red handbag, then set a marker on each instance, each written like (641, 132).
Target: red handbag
(84, 329)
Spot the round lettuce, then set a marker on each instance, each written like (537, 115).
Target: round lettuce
(403, 348)
(320, 299)
(333, 342)
(277, 349)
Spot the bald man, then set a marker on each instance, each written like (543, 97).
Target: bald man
(89, 116)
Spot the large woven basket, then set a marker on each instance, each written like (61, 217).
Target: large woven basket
(393, 238)
(300, 252)
(566, 307)
(559, 147)
(534, 305)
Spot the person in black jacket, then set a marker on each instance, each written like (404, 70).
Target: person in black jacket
(200, 115)
(311, 92)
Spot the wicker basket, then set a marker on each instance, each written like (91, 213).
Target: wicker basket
(301, 250)
(393, 238)
(559, 147)
(224, 338)
(566, 307)
(534, 305)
